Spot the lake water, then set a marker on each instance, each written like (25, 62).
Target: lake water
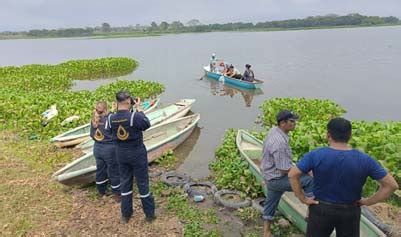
(358, 68)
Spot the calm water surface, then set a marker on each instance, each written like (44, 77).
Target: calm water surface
(358, 68)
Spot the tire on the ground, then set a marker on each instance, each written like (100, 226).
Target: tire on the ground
(179, 181)
(155, 174)
(228, 203)
(189, 188)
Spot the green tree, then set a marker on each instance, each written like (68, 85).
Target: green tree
(163, 25)
(106, 27)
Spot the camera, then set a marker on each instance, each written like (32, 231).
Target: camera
(133, 100)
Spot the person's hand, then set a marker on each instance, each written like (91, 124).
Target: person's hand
(138, 104)
(364, 202)
(309, 201)
(113, 106)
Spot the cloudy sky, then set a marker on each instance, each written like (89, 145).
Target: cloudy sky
(38, 14)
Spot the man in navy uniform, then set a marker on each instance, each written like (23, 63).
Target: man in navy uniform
(127, 128)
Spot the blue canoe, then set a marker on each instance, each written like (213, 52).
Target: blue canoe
(236, 82)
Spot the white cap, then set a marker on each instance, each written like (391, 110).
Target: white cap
(213, 55)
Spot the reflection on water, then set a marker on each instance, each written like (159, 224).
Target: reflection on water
(221, 89)
(187, 146)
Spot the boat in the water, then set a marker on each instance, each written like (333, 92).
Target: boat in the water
(81, 134)
(163, 115)
(158, 140)
(236, 82)
(250, 149)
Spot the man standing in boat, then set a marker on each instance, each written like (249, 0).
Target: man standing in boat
(104, 152)
(127, 128)
(276, 163)
(339, 175)
(213, 61)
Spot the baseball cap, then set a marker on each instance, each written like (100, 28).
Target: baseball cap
(285, 115)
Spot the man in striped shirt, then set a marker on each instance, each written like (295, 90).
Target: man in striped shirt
(276, 163)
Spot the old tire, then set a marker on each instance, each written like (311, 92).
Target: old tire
(174, 178)
(155, 174)
(230, 203)
(190, 188)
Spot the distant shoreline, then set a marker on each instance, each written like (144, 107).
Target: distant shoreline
(136, 34)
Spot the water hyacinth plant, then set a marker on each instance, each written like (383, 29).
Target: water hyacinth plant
(381, 140)
(28, 91)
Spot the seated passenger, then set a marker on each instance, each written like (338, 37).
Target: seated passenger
(248, 74)
(230, 71)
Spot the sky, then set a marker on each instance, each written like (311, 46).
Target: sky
(17, 15)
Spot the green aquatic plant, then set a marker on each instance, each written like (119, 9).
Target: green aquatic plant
(28, 91)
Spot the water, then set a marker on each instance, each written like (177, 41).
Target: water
(358, 68)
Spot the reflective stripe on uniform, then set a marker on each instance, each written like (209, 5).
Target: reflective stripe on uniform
(127, 193)
(117, 186)
(145, 196)
(102, 182)
(132, 119)
(109, 119)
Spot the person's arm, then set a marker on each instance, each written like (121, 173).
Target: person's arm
(282, 161)
(387, 186)
(141, 121)
(304, 166)
(294, 176)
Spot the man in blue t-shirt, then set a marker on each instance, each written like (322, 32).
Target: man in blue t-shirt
(339, 175)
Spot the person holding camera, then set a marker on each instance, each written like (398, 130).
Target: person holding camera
(126, 128)
(104, 152)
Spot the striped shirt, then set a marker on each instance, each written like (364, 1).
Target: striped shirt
(277, 154)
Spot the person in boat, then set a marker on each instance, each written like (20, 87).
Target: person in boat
(104, 152)
(127, 128)
(213, 61)
(340, 173)
(230, 71)
(248, 74)
(276, 163)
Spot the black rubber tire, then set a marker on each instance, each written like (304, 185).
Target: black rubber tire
(230, 204)
(188, 187)
(155, 174)
(180, 180)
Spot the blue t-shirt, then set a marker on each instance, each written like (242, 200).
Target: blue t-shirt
(340, 175)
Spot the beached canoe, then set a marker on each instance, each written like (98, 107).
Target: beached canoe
(236, 82)
(81, 134)
(163, 115)
(157, 139)
(295, 211)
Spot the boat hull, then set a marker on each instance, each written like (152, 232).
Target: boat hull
(87, 146)
(81, 134)
(233, 81)
(82, 171)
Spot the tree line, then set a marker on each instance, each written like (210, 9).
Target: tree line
(195, 25)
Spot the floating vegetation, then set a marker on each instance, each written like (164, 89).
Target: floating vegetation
(29, 90)
(381, 140)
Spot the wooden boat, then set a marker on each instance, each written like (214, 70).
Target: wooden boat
(236, 82)
(157, 139)
(251, 151)
(81, 134)
(166, 114)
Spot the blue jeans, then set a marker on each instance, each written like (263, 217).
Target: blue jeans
(276, 188)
